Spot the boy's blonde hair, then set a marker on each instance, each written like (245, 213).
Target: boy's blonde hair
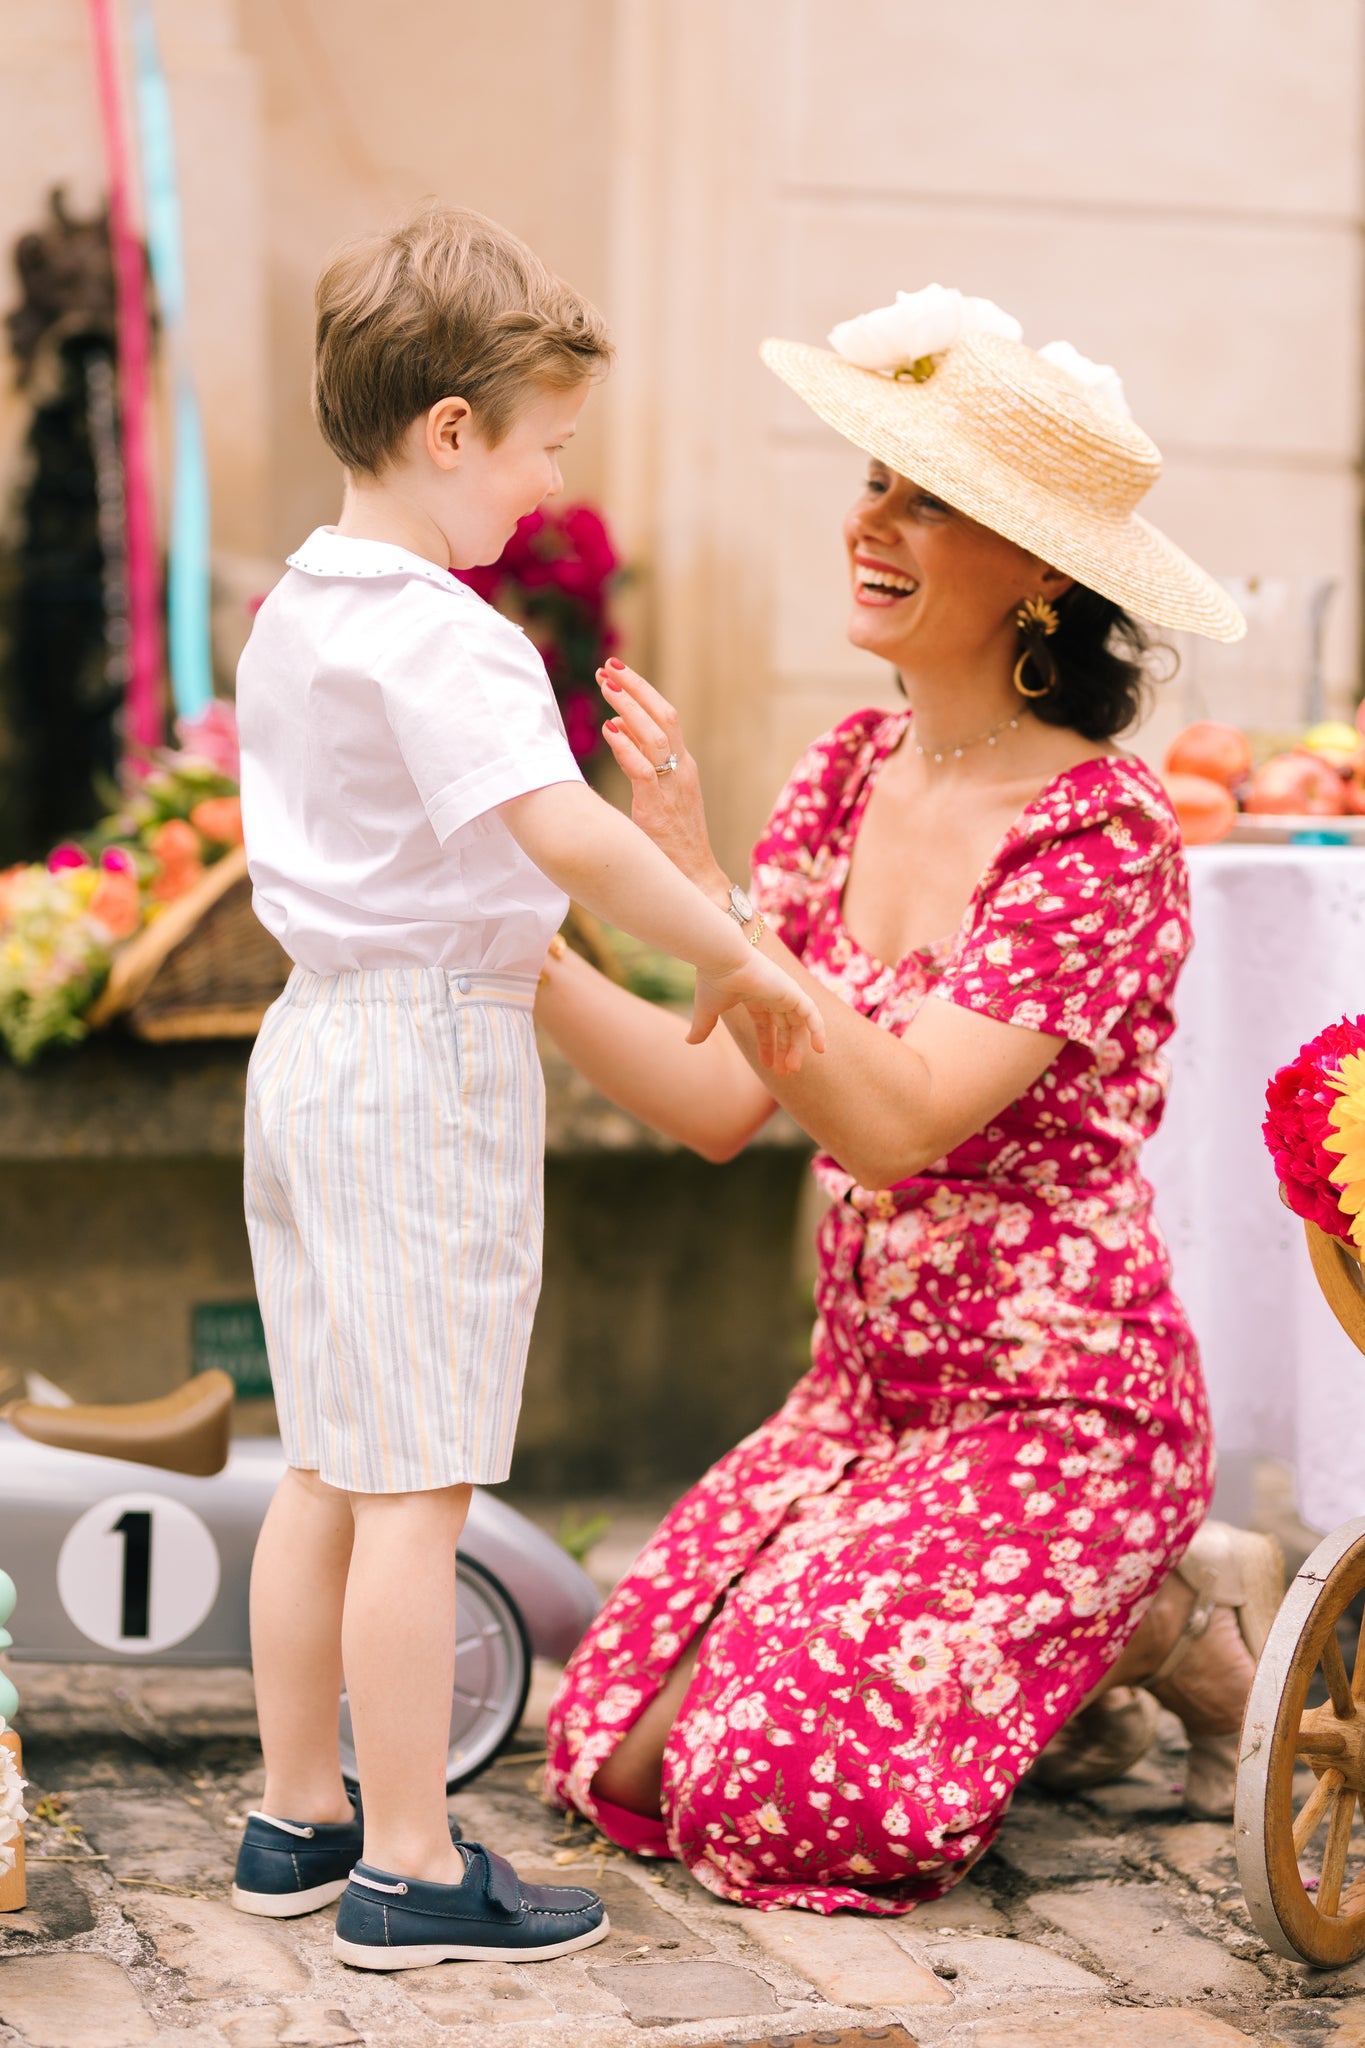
(449, 306)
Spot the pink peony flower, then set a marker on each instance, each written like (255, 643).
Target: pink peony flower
(526, 553)
(66, 856)
(587, 560)
(1299, 1098)
(212, 737)
(116, 860)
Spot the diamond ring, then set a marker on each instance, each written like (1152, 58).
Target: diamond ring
(668, 767)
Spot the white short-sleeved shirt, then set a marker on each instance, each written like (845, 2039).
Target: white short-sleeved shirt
(385, 711)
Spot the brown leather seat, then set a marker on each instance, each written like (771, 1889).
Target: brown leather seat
(187, 1431)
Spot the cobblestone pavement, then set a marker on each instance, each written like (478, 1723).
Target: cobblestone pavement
(1107, 1921)
(1104, 1922)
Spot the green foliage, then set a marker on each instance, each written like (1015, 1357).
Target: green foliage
(578, 1538)
(655, 976)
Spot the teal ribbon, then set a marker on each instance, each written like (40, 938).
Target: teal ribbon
(187, 590)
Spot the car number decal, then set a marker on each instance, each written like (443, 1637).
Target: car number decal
(138, 1572)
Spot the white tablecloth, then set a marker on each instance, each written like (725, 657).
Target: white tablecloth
(1279, 952)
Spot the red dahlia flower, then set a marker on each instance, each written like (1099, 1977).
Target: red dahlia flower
(1299, 1099)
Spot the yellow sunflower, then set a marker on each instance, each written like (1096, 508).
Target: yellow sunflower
(1347, 1118)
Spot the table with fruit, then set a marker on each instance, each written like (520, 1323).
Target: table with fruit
(1313, 790)
(1277, 906)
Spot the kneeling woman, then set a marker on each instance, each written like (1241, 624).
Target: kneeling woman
(824, 1678)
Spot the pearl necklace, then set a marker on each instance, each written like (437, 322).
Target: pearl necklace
(1010, 724)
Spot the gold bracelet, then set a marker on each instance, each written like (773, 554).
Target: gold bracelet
(556, 950)
(760, 926)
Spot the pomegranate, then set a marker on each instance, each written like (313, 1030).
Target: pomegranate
(1295, 785)
(1204, 809)
(1220, 752)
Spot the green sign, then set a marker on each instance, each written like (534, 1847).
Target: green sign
(230, 1336)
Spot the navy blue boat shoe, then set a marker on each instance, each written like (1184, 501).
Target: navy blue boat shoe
(403, 1923)
(286, 1867)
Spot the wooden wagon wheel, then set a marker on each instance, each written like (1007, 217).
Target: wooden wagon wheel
(1299, 1855)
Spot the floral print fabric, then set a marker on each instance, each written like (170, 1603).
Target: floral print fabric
(912, 1574)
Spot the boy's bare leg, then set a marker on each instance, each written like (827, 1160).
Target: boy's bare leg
(298, 1583)
(398, 1647)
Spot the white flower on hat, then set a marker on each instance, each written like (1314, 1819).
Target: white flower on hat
(1101, 380)
(919, 325)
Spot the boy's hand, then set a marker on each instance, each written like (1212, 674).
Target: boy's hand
(784, 1018)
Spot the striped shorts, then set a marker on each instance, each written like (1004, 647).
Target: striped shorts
(395, 1135)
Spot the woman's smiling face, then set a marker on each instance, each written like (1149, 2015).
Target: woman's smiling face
(930, 586)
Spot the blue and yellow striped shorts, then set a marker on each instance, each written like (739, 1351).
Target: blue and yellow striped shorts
(395, 1137)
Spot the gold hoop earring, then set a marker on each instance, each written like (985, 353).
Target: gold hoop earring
(1035, 618)
(1021, 686)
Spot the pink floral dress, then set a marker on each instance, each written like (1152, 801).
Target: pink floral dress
(922, 1563)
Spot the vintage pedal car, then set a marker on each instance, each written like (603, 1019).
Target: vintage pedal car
(129, 1531)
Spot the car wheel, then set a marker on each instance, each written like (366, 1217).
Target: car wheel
(492, 1677)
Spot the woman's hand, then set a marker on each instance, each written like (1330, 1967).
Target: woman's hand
(643, 733)
(785, 1019)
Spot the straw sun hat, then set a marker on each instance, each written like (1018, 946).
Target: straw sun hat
(1019, 443)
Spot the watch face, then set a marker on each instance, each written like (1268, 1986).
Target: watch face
(741, 905)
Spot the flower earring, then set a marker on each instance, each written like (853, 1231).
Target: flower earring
(1037, 622)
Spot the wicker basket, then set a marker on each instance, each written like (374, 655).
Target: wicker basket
(204, 969)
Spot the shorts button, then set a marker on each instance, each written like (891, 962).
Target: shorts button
(464, 984)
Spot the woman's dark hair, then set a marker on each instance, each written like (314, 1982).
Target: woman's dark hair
(1097, 662)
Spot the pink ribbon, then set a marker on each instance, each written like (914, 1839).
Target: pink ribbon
(142, 719)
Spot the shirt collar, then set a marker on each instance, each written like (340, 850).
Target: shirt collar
(329, 553)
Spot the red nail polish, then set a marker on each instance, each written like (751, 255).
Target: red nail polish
(614, 663)
(610, 683)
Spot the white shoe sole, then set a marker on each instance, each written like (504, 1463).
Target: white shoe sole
(362, 1956)
(287, 1905)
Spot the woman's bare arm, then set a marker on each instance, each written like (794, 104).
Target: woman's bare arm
(636, 1054)
(885, 1106)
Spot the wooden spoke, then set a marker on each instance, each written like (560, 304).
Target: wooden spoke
(1334, 1671)
(1314, 1807)
(1334, 1855)
(1358, 1672)
(1319, 1742)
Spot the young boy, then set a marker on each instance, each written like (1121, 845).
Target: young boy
(415, 823)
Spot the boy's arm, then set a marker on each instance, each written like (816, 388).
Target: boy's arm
(606, 863)
(602, 861)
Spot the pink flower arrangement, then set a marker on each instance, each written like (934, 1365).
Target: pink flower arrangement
(554, 577)
(1299, 1100)
(61, 919)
